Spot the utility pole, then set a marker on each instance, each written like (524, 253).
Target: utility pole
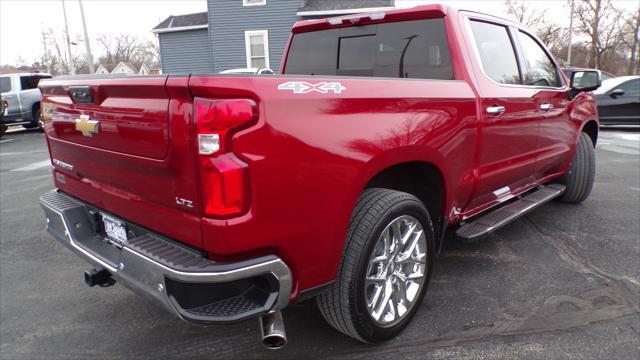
(45, 58)
(86, 39)
(570, 33)
(66, 29)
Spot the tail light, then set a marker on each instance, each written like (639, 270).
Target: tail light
(223, 176)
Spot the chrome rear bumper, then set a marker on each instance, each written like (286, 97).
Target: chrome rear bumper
(175, 277)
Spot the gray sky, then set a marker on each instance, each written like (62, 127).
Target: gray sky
(21, 21)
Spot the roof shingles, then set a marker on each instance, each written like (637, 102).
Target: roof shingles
(178, 21)
(201, 18)
(327, 5)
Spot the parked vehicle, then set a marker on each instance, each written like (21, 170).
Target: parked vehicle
(253, 71)
(228, 197)
(3, 106)
(619, 101)
(23, 99)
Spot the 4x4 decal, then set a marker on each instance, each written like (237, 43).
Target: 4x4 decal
(303, 87)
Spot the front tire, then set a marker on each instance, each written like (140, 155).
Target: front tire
(385, 268)
(582, 171)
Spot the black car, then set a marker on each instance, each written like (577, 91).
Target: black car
(619, 101)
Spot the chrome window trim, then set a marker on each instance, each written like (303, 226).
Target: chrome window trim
(476, 52)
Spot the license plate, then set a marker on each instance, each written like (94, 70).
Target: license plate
(115, 230)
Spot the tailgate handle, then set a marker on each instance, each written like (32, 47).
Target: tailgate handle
(495, 110)
(81, 94)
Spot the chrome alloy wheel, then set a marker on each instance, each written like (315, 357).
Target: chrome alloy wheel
(396, 270)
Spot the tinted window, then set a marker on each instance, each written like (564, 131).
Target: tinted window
(498, 59)
(31, 82)
(631, 88)
(357, 53)
(28, 82)
(540, 69)
(5, 84)
(408, 49)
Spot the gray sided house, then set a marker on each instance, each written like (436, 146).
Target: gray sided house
(184, 44)
(242, 33)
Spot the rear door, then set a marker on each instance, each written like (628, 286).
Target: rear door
(508, 115)
(29, 94)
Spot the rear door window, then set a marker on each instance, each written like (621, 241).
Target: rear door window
(630, 88)
(408, 49)
(497, 56)
(5, 84)
(31, 81)
(27, 82)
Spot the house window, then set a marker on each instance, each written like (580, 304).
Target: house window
(257, 46)
(254, 2)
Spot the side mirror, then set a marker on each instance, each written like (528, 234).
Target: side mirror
(585, 80)
(616, 92)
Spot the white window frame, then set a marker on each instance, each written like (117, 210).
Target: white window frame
(247, 44)
(261, 3)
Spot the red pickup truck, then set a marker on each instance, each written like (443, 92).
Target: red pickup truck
(225, 197)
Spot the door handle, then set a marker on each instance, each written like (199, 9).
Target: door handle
(546, 106)
(495, 110)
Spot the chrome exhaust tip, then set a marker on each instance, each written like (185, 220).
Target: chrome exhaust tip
(272, 328)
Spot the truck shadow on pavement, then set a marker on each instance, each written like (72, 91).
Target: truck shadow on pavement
(521, 280)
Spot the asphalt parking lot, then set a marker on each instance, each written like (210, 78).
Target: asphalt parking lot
(563, 282)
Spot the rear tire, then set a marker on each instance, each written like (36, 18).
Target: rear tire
(3, 129)
(581, 174)
(355, 303)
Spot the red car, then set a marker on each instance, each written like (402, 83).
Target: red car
(226, 197)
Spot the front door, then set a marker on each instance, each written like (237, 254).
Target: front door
(556, 131)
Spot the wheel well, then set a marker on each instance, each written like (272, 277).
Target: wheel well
(420, 179)
(591, 129)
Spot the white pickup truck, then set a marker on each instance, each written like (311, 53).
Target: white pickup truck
(20, 91)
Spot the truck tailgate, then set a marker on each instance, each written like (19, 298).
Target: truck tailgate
(125, 147)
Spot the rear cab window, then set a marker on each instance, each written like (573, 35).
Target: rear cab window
(416, 49)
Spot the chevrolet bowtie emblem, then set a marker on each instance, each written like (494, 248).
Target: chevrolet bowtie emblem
(86, 126)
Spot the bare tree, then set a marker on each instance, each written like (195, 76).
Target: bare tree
(533, 17)
(148, 53)
(53, 57)
(117, 48)
(525, 13)
(127, 48)
(631, 38)
(598, 20)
